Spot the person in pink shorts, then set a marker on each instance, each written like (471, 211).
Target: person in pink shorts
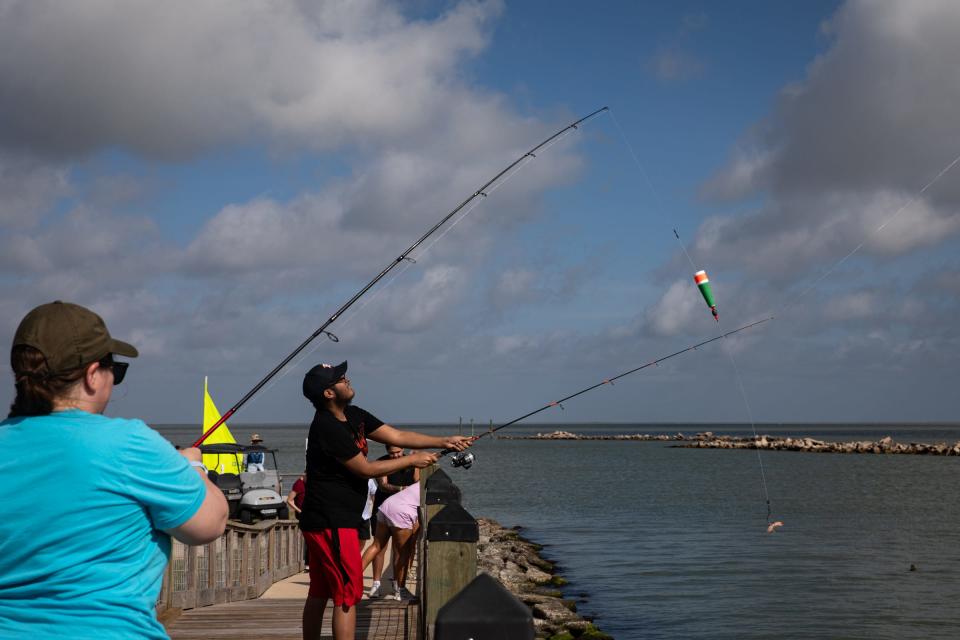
(398, 520)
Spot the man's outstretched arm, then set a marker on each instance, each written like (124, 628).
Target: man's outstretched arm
(387, 434)
(360, 466)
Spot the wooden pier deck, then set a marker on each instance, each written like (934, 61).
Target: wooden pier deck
(276, 615)
(249, 583)
(279, 619)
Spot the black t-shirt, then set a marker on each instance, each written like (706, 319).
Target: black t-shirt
(402, 478)
(335, 496)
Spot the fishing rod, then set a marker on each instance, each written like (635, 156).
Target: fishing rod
(466, 459)
(405, 256)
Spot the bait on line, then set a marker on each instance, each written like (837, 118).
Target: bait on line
(703, 284)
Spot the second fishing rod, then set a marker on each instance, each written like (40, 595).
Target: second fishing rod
(465, 459)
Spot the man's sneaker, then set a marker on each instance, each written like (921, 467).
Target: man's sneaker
(402, 594)
(374, 589)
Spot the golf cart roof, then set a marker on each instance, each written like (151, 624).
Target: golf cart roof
(232, 448)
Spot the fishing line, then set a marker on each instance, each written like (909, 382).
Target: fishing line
(322, 330)
(409, 262)
(653, 190)
(880, 228)
(728, 350)
(753, 426)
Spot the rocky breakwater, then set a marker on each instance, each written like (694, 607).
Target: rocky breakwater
(516, 562)
(566, 435)
(708, 440)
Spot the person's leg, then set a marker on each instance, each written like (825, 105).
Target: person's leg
(411, 550)
(350, 589)
(378, 563)
(316, 601)
(403, 541)
(377, 545)
(344, 622)
(393, 556)
(334, 573)
(313, 617)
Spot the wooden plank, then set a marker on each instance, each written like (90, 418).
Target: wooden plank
(279, 619)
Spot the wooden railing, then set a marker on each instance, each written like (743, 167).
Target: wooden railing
(239, 565)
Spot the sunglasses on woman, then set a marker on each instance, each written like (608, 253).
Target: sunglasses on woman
(119, 369)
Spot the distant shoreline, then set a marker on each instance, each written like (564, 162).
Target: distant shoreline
(707, 440)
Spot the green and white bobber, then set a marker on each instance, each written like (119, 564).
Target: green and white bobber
(703, 283)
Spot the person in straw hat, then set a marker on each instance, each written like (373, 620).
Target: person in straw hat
(255, 459)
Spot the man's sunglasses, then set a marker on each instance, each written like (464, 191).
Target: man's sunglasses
(119, 369)
(336, 382)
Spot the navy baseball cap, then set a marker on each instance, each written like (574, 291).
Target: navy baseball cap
(321, 378)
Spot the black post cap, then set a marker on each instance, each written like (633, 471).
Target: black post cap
(484, 610)
(453, 524)
(441, 490)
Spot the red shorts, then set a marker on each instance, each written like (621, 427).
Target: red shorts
(335, 570)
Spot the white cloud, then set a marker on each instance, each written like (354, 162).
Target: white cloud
(786, 237)
(897, 224)
(416, 307)
(671, 64)
(83, 242)
(388, 203)
(845, 149)
(29, 187)
(741, 175)
(854, 305)
(674, 60)
(676, 311)
(515, 284)
(195, 74)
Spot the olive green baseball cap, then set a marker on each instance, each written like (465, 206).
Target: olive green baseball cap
(69, 336)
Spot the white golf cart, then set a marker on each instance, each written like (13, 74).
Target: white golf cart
(254, 495)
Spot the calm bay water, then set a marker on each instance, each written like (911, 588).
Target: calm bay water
(660, 542)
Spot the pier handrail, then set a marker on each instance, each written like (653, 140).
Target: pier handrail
(239, 565)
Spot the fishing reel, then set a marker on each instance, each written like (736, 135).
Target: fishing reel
(463, 459)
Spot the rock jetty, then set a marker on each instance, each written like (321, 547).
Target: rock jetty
(707, 440)
(882, 446)
(516, 562)
(566, 435)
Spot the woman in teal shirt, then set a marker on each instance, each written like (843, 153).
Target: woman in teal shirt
(90, 502)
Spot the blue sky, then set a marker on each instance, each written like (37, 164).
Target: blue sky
(216, 179)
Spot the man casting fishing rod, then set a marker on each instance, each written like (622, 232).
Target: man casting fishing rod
(337, 474)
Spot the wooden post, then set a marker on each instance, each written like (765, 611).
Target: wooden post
(449, 551)
(190, 595)
(422, 550)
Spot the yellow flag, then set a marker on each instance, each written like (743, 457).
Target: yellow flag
(221, 463)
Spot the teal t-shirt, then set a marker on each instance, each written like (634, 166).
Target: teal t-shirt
(85, 501)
